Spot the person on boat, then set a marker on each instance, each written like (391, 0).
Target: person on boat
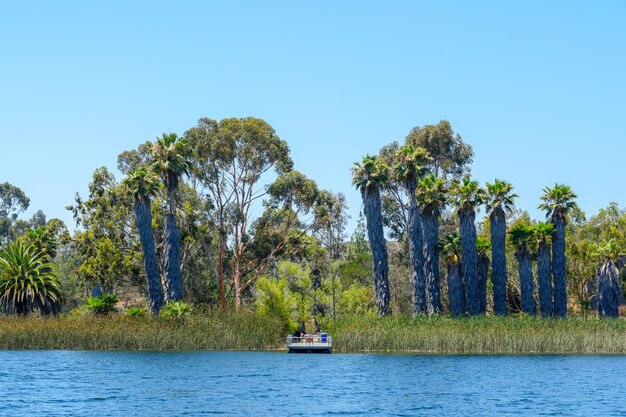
(300, 330)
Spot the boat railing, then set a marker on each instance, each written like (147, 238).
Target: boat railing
(310, 339)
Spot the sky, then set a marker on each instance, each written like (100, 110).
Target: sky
(537, 88)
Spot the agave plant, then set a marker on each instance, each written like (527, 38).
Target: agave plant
(28, 281)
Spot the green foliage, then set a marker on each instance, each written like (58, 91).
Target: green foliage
(12, 202)
(432, 193)
(358, 300)
(467, 195)
(500, 195)
(102, 305)
(450, 247)
(176, 310)
(142, 183)
(273, 299)
(608, 250)
(483, 245)
(558, 201)
(409, 163)
(136, 312)
(28, 281)
(521, 235)
(372, 172)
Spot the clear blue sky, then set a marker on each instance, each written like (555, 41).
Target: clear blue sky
(537, 88)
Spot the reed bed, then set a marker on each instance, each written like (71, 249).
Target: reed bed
(248, 331)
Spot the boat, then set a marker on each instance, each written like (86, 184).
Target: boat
(310, 343)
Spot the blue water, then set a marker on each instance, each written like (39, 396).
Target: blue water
(54, 383)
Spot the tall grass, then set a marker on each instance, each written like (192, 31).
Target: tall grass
(248, 331)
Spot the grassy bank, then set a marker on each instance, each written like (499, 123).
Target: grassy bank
(249, 332)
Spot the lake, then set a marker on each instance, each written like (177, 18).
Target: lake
(95, 383)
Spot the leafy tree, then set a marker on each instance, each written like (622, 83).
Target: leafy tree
(409, 167)
(232, 156)
(369, 176)
(521, 236)
(543, 232)
(558, 201)
(171, 160)
(468, 196)
(28, 281)
(12, 202)
(609, 285)
(451, 248)
(500, 202)
(331, 226)
(432, 196)
(142, 184)
(450, 156)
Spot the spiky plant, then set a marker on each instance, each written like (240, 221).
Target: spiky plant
(500, 201)
(522, 236)
(467, 197)
(558, 201)
(431, 197)
(409, 166)
(369, 176)
(28, 281)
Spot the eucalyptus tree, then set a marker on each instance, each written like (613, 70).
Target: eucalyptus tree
(451, 248)
(12, 202)
(482, 247)
(522, 236)
(467, 197)
(558, 201)
(28, 281)
(369, 176)
(143, 184)
(609, 280)
(543, 233)
(231, 157)
(499, 203)
(432, 196)
(409, 167)
(170, 158)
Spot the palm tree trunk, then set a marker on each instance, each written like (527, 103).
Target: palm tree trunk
(483, 274)
(372, 210)
(526, 280)
(143, 218)
(558, 267)
(455, 290)
(171, 238)
(498, 256)
(545, 279)
(430, 223)
(416, 251)
(609, 290)
(469, 261)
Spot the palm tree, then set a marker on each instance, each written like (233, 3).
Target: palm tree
(170, 160)
(482, 247)
(143, 185)
(521, 236)
(500, 202)
(408, 168)
(28, 281)
(467, 197)
(558, 201)
(451, 247)
(543, 232)
(609, 282)
(431, 199)
(369, 176)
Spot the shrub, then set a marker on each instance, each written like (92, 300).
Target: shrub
(136, 312)
(103, 304)
(176, 309)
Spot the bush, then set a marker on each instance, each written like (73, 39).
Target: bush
(136, 312)
(176, 309)
(102, 305)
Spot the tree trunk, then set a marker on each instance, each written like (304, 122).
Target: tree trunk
(430, 223)
(416, 251)
(544, 276)
(455, 290)
(526, 280)
(483, 274)
(171, 239)
(372, 210)
(498, 256)
(469, 260)
(143, 217)
(558, 266)
(609, 290)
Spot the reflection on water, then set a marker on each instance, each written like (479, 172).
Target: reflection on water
(47, 383)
